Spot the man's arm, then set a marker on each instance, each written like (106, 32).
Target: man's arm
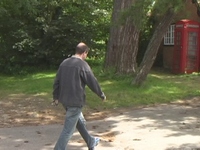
(91, 81)
(56, 89)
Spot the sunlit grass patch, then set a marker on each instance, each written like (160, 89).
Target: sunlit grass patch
(159, 87)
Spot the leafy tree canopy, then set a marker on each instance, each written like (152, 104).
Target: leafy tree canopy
(43, 33)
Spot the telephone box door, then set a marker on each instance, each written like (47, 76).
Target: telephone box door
(186, 47)
(192, 52)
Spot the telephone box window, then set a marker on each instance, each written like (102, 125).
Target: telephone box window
(169, 36)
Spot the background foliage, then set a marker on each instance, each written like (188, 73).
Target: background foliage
(42, 33)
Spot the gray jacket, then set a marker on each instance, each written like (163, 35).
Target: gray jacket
(69, 85)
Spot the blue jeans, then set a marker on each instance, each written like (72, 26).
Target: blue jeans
(74, 119)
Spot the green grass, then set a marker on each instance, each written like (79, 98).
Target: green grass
(38, 84)
(158, 88)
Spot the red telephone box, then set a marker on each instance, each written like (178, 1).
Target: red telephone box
(186, 47)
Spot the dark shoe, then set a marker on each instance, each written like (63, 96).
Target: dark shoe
(95, 143)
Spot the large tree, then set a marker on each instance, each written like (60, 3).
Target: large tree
(128, 20)
(123, 41)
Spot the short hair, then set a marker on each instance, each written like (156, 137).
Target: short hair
(81, 48)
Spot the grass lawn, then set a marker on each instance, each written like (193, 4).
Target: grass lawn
(160, 87)
(26, 100)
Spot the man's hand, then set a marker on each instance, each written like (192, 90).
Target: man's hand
(55, 103)
(103, 96)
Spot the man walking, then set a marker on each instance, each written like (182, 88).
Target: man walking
(69, 89)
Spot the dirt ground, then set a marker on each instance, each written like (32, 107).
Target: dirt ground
(23, 111)
(27, 111)
(20, 110)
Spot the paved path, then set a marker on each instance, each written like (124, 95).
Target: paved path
(167, 127)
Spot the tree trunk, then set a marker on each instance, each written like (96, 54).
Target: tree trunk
(128, 48)
(153, 47)
(111, 54)
(123, 42)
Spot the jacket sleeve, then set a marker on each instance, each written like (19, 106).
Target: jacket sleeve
(56, 87)
(91, 81)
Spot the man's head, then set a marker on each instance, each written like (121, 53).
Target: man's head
(82, 50)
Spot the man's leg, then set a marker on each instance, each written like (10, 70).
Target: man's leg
(81, 127)
(71, 119)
